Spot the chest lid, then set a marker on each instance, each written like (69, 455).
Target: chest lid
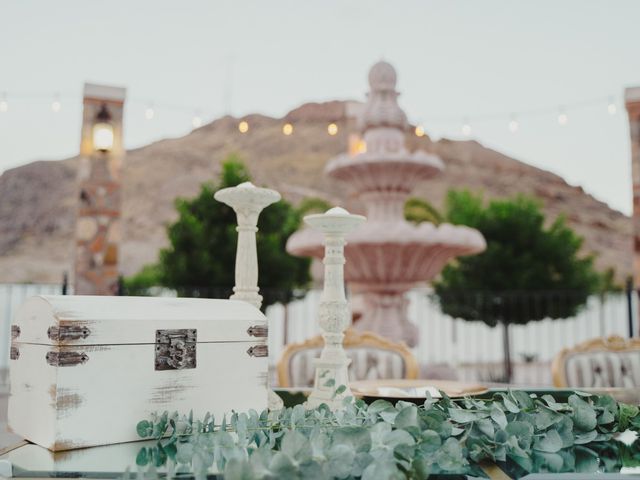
(98, 320)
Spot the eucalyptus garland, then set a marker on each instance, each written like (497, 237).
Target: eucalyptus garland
(520, 432)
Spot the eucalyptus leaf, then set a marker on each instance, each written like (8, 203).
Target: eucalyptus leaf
(545, 417)
(398, 437)
(144, 428)
(549, 442)
(358, 438)
(296, 446)
(522, 398)
(407, 417)
(341, 459)
(282, 466)
(465, 416)
(584, 417)
(404, 440)
(498, 416)
(582, 438)
(143, 457)
(450, 457)
(382, 468)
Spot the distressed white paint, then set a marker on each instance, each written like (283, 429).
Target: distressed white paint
(333, 313)
(101, 401)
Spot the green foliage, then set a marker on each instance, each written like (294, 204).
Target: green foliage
(417, 210)
(145, 279)
(607, 282)
(200, 260)
(521, 432)
(522, 256)
(313, 205)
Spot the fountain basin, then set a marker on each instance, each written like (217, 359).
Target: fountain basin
(391, 171)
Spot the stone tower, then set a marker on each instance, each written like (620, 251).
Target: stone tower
(632, 101)
(98, 220)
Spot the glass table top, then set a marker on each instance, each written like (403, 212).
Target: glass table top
(114, 461)
(27, 460)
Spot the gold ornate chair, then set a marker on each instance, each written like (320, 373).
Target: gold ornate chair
(372, 356)
(599, 363)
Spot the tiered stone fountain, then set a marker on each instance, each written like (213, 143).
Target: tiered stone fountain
(388, 256)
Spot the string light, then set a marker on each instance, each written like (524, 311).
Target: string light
(56, 105)
(563, 118)
(466, 128)
(512, 120)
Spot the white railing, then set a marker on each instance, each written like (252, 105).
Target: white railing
(468, 347)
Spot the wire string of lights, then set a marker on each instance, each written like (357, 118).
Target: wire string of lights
(512, 120)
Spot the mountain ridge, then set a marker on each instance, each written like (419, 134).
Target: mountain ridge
(37, 200)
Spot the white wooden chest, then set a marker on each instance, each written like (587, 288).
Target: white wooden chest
(85, 369)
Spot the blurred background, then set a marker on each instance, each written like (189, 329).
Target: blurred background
(533, 109)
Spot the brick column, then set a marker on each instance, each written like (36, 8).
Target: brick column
(98, 216)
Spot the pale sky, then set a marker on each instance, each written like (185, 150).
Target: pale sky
(455, 60)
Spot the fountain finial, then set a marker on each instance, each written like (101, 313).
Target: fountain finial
(382, 77)
(382, 109)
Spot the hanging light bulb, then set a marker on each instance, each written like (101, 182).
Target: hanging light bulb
(419, 131)
(466, 128)
(4, 106)
(56, 105)
(243, 126)
(196, 121)
(287, 129)
(563, 118)
(513, 124)
(332, 129)
(611, 108)
(103, 130)
(149, 113)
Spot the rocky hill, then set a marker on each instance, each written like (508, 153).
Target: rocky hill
(37, 200)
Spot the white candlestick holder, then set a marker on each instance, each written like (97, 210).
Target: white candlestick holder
(331, 384)
(247, 201)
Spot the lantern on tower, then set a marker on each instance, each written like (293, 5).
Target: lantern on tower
(103, 130)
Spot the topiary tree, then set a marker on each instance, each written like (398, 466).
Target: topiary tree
(417, 210)
(522, 259)
(200, 260)
(313, 205)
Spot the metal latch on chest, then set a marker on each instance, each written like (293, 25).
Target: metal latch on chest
(176, 349)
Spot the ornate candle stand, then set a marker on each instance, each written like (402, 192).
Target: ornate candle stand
(333, 315)
(247, 201)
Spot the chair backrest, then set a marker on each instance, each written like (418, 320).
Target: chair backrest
(601, 362)
(372, 356)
